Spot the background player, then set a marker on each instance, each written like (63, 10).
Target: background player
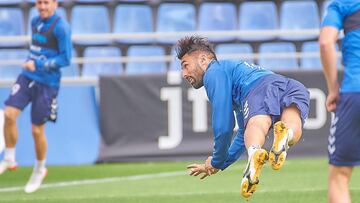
(344, 138)
(38, 84)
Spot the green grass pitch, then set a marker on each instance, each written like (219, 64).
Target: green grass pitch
(300, 180)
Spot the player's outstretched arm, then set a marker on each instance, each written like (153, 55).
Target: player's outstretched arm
(199, 169)
(209, 168)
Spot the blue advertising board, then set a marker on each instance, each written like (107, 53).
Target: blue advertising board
(72, 140)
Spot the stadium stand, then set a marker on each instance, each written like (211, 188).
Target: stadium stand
(133, 18)
(11, 71)
(256, 15)
(10, 2)
(297, 15)
(33, 1)
(324, 7)
(222, 50)
(73, 69)
(92, 19)
(93, 1)
(11, 24)
(156, 17)
(175, 62)
(310, 63)
(145, 67)
(313, 63)
(277, 63)
(132, 1)
(175, 17)
(96, 69)
(223, 17)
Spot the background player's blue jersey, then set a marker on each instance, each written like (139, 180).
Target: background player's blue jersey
(343, 14)
(50, 49)
(227, 83)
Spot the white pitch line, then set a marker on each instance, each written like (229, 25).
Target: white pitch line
(104, 180)
(97, 181)
(162, 194)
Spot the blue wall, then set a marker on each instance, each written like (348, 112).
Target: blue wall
(73, 139)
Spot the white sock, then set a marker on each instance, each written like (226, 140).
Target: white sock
(9, 154)
(290, 134)
(39, 165)
(252, 149)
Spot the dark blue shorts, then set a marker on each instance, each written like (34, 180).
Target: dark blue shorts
(344, 137)
(42, 97)
(272, 94)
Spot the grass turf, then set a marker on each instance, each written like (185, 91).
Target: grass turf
(301, 180)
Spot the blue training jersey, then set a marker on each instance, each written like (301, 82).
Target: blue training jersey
(227, 83)
(345, 15)
(50, 49)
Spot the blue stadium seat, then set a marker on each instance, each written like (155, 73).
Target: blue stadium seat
(34, 12)
(145, 67)
(33, 1)
(12, 71)
(11, 24)
(175, 64)
(324, 8)
(133, 18)
(73, 69)
(93, 1)
(259, 15)
(175, 17)
(310, 63)
(297, 15)
(95, 69)
(10, 2)
(277, 63)
(232, 49)
(90, 20)
(313, 63)
(218, 17)
(130, 1)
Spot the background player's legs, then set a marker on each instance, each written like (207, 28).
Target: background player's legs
(339, 178)
(256, 130)
(292, 118)
(38, 132)
(11, 137)
(39, 171)
(10, 127)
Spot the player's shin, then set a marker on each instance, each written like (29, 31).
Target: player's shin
(257, 158)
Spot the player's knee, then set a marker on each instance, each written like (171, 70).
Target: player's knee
(342, 174)
(297, 131)
(37, 131)
(262, 123)
(9, 116)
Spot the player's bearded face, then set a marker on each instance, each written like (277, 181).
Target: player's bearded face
(192, 70)
(194, 74)
(197, 75)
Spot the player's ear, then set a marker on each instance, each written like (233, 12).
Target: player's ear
(203, 59)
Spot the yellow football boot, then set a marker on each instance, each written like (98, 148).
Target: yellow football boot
(278, 152)
(252, 172)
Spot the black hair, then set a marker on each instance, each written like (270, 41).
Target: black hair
(193, 43)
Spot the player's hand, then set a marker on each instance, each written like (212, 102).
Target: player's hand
(197, 169)
(209, 168)
(331, 101)
(29, 65)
